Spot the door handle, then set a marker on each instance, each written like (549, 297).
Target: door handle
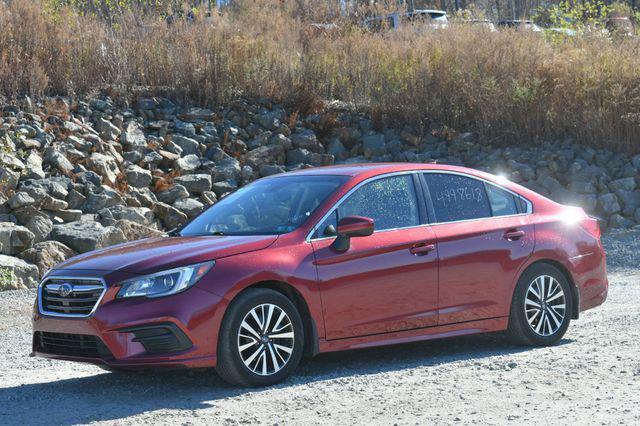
(513, 235)
(421, 249)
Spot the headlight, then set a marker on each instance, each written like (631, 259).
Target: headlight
(165, 283)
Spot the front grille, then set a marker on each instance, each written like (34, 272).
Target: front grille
(70, 297)
(79, 345)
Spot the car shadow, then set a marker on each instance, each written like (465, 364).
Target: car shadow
(116, 396)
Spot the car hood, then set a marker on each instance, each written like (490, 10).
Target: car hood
(155, 254)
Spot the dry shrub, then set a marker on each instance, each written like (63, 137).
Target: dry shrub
(121, 184)
(507, 86)
(164, 181)
(305, 101)
(292, 119)
(327, 123)
(377, 118)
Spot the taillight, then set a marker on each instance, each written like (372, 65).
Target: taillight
(591, 225)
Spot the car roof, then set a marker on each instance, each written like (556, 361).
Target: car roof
(517, 21)
(365, 170)
(428, 11)
(415, 12)
(361, 171)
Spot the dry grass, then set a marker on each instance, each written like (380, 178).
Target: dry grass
(508, 87)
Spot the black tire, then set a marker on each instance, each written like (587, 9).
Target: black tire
(231, 366)
(520, 331)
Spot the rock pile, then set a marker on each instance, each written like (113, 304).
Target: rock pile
(77, 176)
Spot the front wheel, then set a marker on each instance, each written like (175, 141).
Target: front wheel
(541, 307)
(261, 339)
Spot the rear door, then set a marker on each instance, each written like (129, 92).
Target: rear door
(387, 281)
(483, 237)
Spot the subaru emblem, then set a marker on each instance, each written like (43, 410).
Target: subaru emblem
(65, 289)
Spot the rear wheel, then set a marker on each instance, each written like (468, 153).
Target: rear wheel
(261, 339)
(541, 306)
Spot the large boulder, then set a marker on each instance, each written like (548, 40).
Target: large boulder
(101, 198)
(25, 214)
(306, 140)
(133, 136)
(170, 216)
(14, 238)
(107, 129)
(144, 196)
(197, 114)
(20, 199)
(58, 160)
(187, 163)
(270, 120)
(8, 161)
(80, 143)
(56, 187)
(137, 176)
(223, 187)
(141, 215)
(624, 184)
(608, 203)
(297, 156)
(84, 236)
(134, 231)
(8, 179)
(172, 194)
(105, 166)
(189, 206)
(45, 255)
(195, 184)
(67, 215)
(40, 226)
(373, 145)
(265, 154)
(75, 199)
(53, 204)
(270, 169)
(228, 168)
(17, 274)
(189, 146)
(629, 200)
(337, 149)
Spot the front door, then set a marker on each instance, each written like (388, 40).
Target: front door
(387, 281)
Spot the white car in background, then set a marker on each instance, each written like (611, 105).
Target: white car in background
(520, 25)
(432, 18)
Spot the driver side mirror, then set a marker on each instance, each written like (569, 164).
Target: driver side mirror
(350, 227)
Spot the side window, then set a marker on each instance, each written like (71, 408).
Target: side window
(328, 227)
(391, 202)
(522, 205)
(457, 197)
(503, 203)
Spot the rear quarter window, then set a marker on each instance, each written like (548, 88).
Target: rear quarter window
(503, 203)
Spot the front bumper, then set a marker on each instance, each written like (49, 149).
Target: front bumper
(174, 331)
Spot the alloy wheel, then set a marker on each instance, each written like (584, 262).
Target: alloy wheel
(545, 305)
(266, 339)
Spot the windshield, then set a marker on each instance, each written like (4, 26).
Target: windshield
(269, 206)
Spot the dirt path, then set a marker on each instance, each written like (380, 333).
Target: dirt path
(593, 377)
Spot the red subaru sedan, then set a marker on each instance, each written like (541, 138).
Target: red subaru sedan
(328, 259)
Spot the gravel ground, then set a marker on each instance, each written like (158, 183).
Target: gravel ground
(592, 376)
